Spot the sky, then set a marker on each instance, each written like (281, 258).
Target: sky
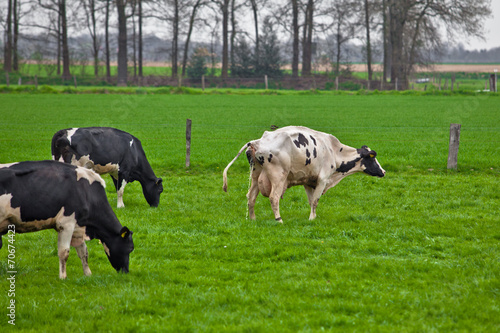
(491, 34)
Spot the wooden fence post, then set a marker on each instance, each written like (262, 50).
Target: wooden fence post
(203, 82)
(337, 83)
(454, 144)
(188, 143)
(265, 79)
(20, 81)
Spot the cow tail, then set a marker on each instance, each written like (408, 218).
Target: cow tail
(224, 174)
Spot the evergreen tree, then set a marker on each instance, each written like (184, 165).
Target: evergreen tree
(243, 65)
(197, 63)
(269, 58)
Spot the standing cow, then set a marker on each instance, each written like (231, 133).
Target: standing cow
(109, 150)
(297, 155)
(51, 195)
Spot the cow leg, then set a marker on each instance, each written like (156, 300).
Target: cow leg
(120, 187)
(313, 194)
(252, 194)
(65, 228)
(78, 242)
(278, 179)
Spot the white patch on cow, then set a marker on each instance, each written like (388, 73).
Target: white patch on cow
(7, 165)
(106, 249)
(70, 133)
(90, 175)
(8, 214)
(86, 162)
(119, 193)
(131, 142)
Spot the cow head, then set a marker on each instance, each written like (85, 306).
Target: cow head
(152, 192)
(369, 163)
(118, 250)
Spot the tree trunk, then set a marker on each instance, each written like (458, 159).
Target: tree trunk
(368, 45)
(122, 43)
(7, 58)
(225, 32)
(64, 38)
(307, 42)
(140, 38)
(175, 39)
(233, 33)
(15, 58)
(94, 38)
(295, 23)
(256, 25)
(106, 27)
(385, 68)
(397, 23)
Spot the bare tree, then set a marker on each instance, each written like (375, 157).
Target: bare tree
(342, 25)
(414, 27)
(90, 7)
(195, 6)
(224, 9)
(368, 43)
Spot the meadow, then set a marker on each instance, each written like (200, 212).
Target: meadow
(415, 251)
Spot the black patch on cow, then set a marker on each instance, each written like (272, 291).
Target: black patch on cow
(346, 167)
(270, 158)
(249, 157)
(315, 154)
(278, 219)
(312, 138)
(308, 161)
(260, 159)
(341, 148)
(301, 141)
(331, 166)
(308, 154)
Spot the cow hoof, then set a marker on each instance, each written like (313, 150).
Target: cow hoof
(279, 220)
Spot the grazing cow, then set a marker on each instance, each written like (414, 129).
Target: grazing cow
(109, 150)
(297, 155)
(51, 195)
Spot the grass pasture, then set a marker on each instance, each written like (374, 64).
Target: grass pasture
(416, 251)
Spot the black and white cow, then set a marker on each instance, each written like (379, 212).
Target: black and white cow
(109, 150)
(51, 195)
(297, 155)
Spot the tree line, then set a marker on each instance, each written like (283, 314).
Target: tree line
(256, 36)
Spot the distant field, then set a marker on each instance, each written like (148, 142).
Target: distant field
(416, 251)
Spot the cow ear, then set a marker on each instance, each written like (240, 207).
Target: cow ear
(125, 232)
(372, 154)
(159, 181)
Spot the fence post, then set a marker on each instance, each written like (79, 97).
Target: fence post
(20, 81)
(7, 78)
(454, 143)
(36, 81)
(265, 79)
(203, 82)
(179, 78)
(496, 80)
(396, 84)
(337, 83)
(188, 143)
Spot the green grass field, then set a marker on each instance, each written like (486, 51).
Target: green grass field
(415, 251)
